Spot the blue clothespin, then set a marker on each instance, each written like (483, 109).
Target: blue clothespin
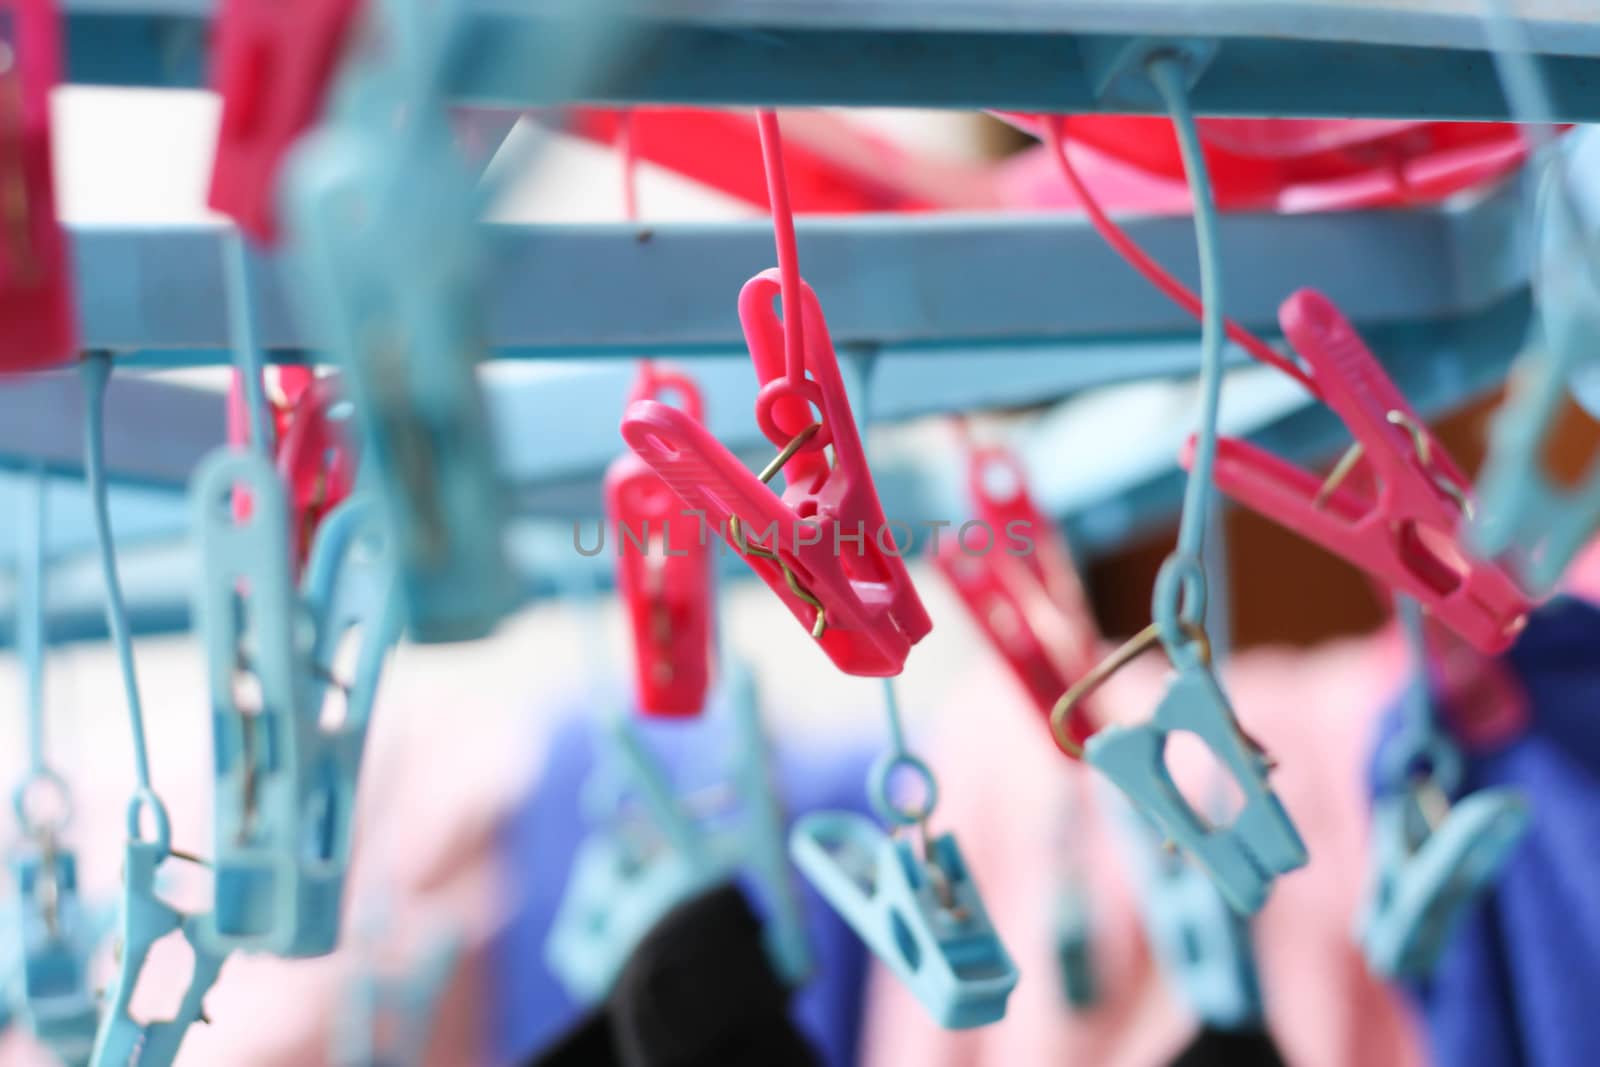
(921, 914)
(386, 1019)
(145, 920)
(1202, 944)
(1262, 843)
(1432, 859)
(250, 622)
(57, 999)
(383, 227)
(1522, 510)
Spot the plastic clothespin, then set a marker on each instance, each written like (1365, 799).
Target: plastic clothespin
(1432, 859)
(350, 594)
(1526, 513)
(275, 65)
(387, 1018)
(663, 570)
(250, 621)
(145, 920)
(1203, 945)
(58, 937)
(921, 915)
(1404, 534)
(824, 546)
(1031, 606)
(383, 224)
(36, 282)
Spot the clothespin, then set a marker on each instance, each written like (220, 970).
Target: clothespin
(145, 920)
(1404, 534)
(664, 578)
(387, 1018)
(1202, 943)
(275, 67)
(857, 602)
(382, 218)
(1074, 917)
(1031, 606)
(36, 286)
(919, 911)
(1540, 522)
(1432, 859)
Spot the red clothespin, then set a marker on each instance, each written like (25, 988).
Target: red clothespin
(275, 63)
(1400, 524)
(1020, 586)
(663, 569)
(824, 546)
(36, 302)
(311, 449)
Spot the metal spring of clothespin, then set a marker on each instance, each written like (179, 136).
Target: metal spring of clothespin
(1433, 857)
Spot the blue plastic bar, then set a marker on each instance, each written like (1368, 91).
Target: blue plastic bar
(1396, 59)
(893, 282)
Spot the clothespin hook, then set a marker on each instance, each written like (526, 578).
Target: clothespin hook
(1141, 642)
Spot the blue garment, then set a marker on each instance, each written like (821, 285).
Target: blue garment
(530, 1006)
(1515, 985)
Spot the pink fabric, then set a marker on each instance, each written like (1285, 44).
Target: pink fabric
(1313, 711)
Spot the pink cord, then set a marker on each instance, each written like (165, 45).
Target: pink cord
(794, 341)
(1155, 273)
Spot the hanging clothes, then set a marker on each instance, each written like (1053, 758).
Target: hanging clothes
(1512, 987)
(697, 991)
(531, 1008)
(1313, 711)
(1230, 1048)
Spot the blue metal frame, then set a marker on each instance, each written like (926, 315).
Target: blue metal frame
(1295, 57)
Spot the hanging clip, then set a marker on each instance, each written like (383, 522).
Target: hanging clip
(275, 65)
(1202, 944)
(921, 915)
(1030, 605)
(248, 614)
(145, 920)
(1404, 533)
(1526, 514)
(36, 287)
(383, 222)
(824, 546)
(58, 938)
(665, 576)
(1261, 843)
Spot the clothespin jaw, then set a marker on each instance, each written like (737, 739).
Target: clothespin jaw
(1075, 957)
(350, 595)
(1405, 533)
(663, 573)
(1261, 844)
(145, 920)
(57, 998)
(383, 223)
(275, 66)
(1526, 514)
(249, 619)
(36, 288)
(824, 546)
(921, 915)
(1030, 604)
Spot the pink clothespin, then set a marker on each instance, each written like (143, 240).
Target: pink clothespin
(663, 568)
(1402, 530)
(275, 63)
(824, 546)
(1021, 587)
(36, 291)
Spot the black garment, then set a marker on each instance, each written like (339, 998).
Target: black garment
(1230, 1048)
(698, 991)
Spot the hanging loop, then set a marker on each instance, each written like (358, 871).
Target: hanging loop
(884, 805)
(1179, 605)
(43, 803)
(144, 800)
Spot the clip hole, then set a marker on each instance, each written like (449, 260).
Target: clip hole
(156, 996)
(905, 940)
(1207, 784)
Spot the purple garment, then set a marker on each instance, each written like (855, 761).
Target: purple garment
(1515, 987)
